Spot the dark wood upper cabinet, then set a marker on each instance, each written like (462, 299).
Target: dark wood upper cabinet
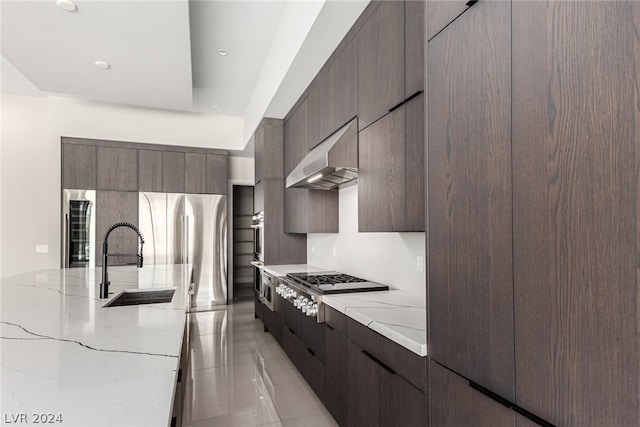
(343, 87)
(258, 140)
(469, 173)
(269, 151)
(415, 43)
(113, 207)
(305, 211)
(173, 172)
(295, 138)
(195, 169)
(391, 171)
(150, 170)
(117, 169)
(381, 183)
(381, 50)
(454, 404)
(320, 111)
(217, 174)
(576, 156)
(441, 12)
(79, 164)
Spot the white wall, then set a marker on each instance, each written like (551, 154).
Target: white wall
(30, 163)
(388, 258)
(29, 180)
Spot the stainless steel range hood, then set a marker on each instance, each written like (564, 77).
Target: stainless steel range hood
(332, 163)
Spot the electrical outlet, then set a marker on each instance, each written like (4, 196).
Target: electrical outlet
(334, 251)
(420, 263)
(42, 249)
(313, 249)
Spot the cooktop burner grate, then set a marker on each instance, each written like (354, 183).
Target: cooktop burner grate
(327, 279)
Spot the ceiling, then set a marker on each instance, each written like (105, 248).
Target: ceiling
(165, 53)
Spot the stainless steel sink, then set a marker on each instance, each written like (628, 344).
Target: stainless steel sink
(141, 296)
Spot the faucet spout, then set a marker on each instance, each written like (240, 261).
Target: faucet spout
(104, 285)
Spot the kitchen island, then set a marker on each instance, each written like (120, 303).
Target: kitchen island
(65, 356)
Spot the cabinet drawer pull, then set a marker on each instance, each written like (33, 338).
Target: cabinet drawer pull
(386, 368)
(329, 326)
(311, 351)
(471, 2)
(291, 330)
(493, 396)
(413, 96)
(179, 375)
(395, 107)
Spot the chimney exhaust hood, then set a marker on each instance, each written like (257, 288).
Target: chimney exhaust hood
(332, 163)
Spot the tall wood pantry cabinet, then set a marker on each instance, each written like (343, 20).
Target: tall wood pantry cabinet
(533, 195)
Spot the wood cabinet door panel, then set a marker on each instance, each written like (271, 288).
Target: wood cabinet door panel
(343, 86)
(415, 164)
(441, 12)
(381, 180)
(415, 43)
(320, 111)
(401, 404)
(79, 164)
(295, 210)
(117, 169)
(469, 174)
(363, 388)
(295, 138)
(150, 170)
(336, 375)
(576, 145)
(195, 173)
(454, 404)
(173, 165)
(381, 62)
(217, 174)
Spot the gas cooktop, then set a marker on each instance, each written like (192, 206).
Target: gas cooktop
(333, 282)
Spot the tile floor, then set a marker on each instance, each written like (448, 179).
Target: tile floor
(241, 377)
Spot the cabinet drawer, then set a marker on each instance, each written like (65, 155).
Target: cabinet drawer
(406, 363)
(335, 319)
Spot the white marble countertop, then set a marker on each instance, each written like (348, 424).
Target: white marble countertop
(397, 315)
(62, 353)
(283, 270)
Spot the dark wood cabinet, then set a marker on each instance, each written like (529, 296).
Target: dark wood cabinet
(470, 224)
(378, 396)
(173, 172)
(217, 174)
(363, 388)
(415, 43)
(269, 150)
(195, 170)
(305, 211)
(258, 307)
(295, 138)
(150, 170)
(343, 87)
(381, 49)
(117, 169)
(575, 163)
(381, 185)
(113, 207)
(79, 164)
(391, 174)
(336, 373)
(258, 197)
(453, 403)
(440, 13)
(319, 104)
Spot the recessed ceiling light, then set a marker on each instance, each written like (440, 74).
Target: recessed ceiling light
(103, 65)
(67, 5)
(223, 52)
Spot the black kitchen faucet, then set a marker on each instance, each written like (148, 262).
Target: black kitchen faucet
(104, 285)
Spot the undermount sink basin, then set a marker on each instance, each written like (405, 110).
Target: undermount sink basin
(141, 296)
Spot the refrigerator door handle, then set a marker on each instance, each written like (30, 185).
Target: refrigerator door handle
(65, 249)
(186, 239)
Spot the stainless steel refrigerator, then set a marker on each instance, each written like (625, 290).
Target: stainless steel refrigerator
(190, 229)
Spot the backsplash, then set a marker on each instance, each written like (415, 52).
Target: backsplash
(388, 258)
